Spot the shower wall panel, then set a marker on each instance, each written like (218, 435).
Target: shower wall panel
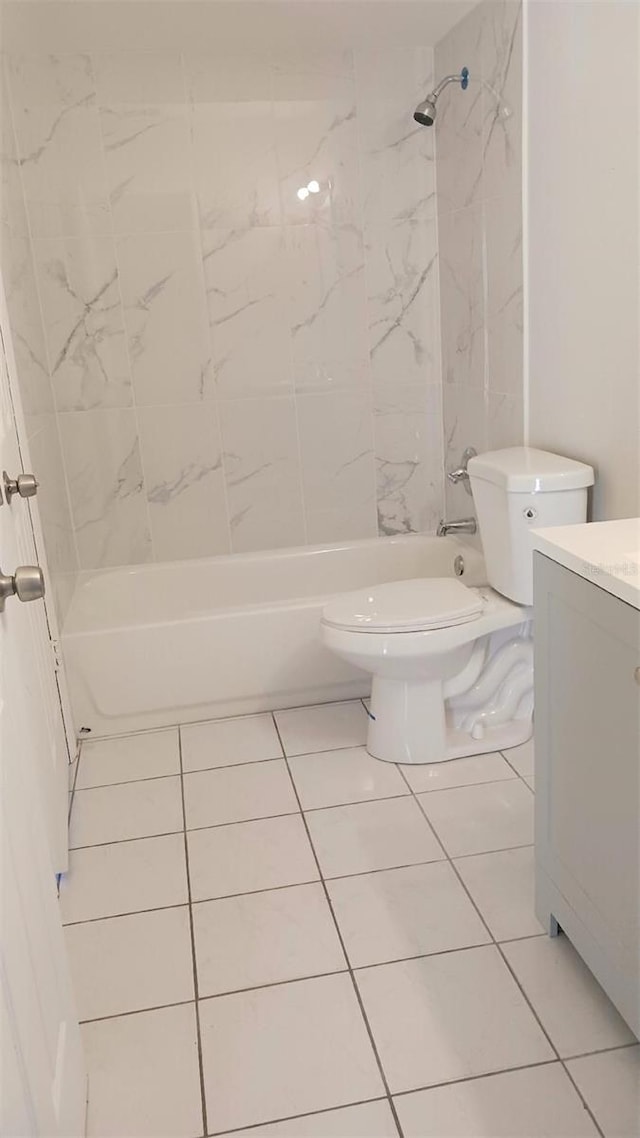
(479, 193)
(27, 334)
(237, 264)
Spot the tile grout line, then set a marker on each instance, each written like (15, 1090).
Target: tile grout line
(522, 991)
(301, 755)
(350, 972)
(74, 786)
(517, 772)
(221, 719)
(203, 1100)
(295, 1117)
(127, 782)
(137, 1011)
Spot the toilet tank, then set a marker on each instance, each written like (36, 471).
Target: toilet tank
(517, 490)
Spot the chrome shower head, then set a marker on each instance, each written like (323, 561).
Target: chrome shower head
(425, 112)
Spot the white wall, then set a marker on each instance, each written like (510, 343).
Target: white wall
(583, 204)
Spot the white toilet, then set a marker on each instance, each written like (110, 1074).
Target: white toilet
(452, 666)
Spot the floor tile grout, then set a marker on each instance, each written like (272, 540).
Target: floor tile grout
(295, 1117)
(91, 738)
(138, 1011)
(520, 987)
(128, 913)
(323, 881)
(128, 782)
(356, 990)
(194, 962)
(204, 997)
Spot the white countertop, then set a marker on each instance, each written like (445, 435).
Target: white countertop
(605, 553)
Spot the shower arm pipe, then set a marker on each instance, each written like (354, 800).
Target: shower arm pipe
(461, 78)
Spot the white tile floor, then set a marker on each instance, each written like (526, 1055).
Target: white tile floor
(272, 932)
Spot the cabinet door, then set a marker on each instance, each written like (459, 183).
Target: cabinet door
(588, 755)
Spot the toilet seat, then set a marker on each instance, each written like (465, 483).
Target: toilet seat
(417, 605)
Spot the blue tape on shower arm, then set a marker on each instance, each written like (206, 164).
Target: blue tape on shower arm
(464, 78)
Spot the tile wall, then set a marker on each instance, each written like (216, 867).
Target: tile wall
(230, 365)
(27, 333)
(479, 194)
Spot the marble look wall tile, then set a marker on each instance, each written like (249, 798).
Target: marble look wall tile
(19, 281)
(459, 123)
(233, 288)
(402, 286)
(337, 457)
(502, 97)
(70, 219)
(165, 317)
(182, 461)
(316, 136)
(462, 296)
(505, 421)
(327, 303)
(481, 246)
(104, 472)
(145, 130)
(409, 471)
(58, 133)
(247, 284)
(235, 169)
(392, 396)
(84, 328)
(316, 143)
(397, 155)
(148, 165)
(262, 473)
(503, 227)
(465, 425)
(27, 336)
(13, 213)
(328, 373)
(55, 516)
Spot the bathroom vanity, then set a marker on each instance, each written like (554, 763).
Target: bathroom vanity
(587, 741)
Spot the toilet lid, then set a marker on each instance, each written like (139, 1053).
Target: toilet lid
(405, 606)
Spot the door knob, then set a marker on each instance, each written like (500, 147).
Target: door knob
(27, 584)
(25, 485)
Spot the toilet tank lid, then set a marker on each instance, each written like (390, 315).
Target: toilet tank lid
(526, 470)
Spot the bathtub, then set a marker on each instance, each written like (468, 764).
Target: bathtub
(153, 645)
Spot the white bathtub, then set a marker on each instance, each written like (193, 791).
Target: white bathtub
(152, 645)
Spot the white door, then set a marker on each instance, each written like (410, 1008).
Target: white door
(43, 683)
(42, 1079)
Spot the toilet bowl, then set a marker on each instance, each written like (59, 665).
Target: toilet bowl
(439, 689)
(452, 666)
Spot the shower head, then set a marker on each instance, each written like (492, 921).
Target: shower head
(425, 112)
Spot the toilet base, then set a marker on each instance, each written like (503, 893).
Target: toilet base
(431, 721)
(393, 742)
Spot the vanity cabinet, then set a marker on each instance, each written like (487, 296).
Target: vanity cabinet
(587, 746)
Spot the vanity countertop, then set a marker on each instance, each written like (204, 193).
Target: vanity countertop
(606, 553)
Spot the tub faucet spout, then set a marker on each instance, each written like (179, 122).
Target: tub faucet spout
(463, 525)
